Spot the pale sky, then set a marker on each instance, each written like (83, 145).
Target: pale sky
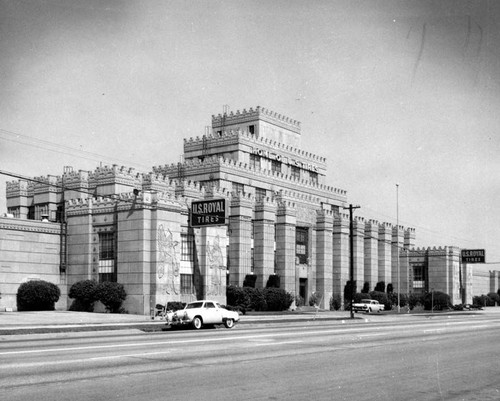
(390, 92)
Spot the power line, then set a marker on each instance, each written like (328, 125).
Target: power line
(59, 148)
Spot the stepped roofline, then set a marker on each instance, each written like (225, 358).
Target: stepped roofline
(237, 135)
(259, 113)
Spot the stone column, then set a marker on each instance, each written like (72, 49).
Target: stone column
(82, 263)
(264, 236)
(371, 253)
(324, 256)
(397, 247)
(213, 263)
(285, 246)
(340, 254)
(359, 251)
(240, 239)
(385, 253)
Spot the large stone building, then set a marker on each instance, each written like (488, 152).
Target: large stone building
(116, 224)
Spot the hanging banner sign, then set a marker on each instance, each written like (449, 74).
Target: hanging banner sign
(473, 256)
(208, 213)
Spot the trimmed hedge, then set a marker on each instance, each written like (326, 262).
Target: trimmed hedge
(248, 298)
(438, 299)
(37, 295)
(85, 295)
(111, 295)
(87, 292)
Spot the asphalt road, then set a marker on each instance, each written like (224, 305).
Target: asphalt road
(442, 358)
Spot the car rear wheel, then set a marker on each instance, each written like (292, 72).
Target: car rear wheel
(197, 323)
(229, 323)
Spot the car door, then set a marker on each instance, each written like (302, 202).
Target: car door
(212, 314)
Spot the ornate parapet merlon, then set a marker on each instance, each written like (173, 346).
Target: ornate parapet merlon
(17, 188)
(45, 184)
(286, 208)
(115, 174)
(244, 198)
(266, 204)
(214, 192)
(259, 113)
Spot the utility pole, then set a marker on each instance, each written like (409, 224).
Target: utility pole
(351, 246)
(397, 245)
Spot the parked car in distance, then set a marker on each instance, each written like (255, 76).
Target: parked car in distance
(200, 313)
(472, 307)
(368, 305)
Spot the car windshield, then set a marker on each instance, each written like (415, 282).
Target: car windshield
(194, 305)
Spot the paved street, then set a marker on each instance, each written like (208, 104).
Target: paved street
(436, 358)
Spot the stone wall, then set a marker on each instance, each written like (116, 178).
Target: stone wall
(29, 250)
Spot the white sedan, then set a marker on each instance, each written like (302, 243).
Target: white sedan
(199, 313)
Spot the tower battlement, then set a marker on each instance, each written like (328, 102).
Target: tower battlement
(231, 137)
(259, 113)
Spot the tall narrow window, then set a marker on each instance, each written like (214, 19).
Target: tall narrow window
(187, 247)
(260, 193)
(107, 271)
(255, 162)
(187, 284)
(251, 129)
(301, 244)
(276, 166)
(314, 177)
(238, 188)
(295, 173)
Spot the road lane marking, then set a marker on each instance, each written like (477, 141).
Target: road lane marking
(82, 360)
(219, 339)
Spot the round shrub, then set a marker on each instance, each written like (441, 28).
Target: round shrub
(85, 294)
(494, 297)
(360, 296)
(381, 297)
(238, 297)
(438, 299)
(111, 295)
(37, 295)
(175, 305)
(257, 299)
(335, 302)
(277, 299)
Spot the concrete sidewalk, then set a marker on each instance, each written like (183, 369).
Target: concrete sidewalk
(54, 321)
(67, 321)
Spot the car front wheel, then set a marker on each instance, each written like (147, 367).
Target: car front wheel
(197, 323)
(229, 323)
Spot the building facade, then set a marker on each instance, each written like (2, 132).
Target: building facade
(116, 224)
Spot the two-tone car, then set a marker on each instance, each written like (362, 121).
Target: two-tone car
(368, 306)
(204, 312)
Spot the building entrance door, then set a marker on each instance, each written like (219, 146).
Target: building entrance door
(303, 289)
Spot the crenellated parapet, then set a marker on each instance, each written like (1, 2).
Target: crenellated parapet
(436, 251)
(238, 137)
(157, 182)
(229, 166)
(259, 113)
(47, 184)
(18, 188)
(73, 179)
(189, 189)
(105, 175)
(213, 192)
